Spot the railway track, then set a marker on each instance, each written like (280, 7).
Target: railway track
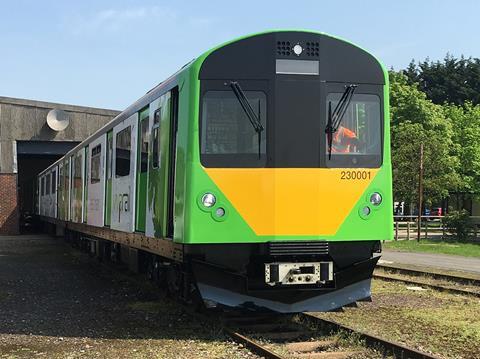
(280, 336)
(277, 336)
(420, 278)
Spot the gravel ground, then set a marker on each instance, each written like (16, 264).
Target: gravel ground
(56, 302)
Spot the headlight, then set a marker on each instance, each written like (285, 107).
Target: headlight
(220, 212)
(376, 199)
(366, 211)
(208, 200)
(297, 49)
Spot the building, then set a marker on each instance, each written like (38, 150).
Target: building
(33, 134)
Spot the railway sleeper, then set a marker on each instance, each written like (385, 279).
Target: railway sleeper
(287, 335)
(307, 347)
(326, 355)
(267, 327)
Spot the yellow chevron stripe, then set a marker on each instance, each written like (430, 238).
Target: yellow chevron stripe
(291, 201)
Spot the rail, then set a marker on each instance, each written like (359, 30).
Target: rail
(276, 337)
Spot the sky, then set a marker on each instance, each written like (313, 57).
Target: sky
(108, 53)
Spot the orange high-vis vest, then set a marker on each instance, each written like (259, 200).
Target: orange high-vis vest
(342, 140)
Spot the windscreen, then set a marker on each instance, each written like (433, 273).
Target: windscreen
(228, 138)
(357, 140)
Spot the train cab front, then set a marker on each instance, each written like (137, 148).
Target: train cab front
(290, 181)
(283, 278)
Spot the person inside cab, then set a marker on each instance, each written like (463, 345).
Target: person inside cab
(345, 141)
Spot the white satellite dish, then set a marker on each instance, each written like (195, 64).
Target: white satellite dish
(57, 120)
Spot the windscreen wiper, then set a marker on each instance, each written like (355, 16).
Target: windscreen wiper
(252, 116)
(335, 117)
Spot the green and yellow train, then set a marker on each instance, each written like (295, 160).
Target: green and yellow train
(257, 175)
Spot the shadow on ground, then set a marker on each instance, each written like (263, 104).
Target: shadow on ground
(48, 288)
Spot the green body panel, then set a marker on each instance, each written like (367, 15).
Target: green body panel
(141, 195)
(194, 181)
(158, 177)
(108, 184)
(186, 107)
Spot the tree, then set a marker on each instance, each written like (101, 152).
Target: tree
(466, 134)
(450, 81)
(416, 120)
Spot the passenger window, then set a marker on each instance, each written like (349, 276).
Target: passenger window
(61, 178)
(54, 181)
(77, 171)
(95, 164)
(122, 153)
(144, 146)
(67, 176)
(109, 156)
(156, 137)
(47, 187)
(43, 187)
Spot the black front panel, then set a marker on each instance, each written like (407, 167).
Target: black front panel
(244, 273)
(297, 123)
(297, 72)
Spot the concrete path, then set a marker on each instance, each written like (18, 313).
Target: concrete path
(442, 261)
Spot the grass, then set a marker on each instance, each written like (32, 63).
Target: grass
(432, 246)
(431, 321)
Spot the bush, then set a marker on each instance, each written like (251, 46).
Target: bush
(459, 224)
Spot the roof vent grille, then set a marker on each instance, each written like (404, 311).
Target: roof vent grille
(283, 48)
(312, 48)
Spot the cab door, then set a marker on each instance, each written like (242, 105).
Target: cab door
(161, 168)
(142, 170)
(123, 181)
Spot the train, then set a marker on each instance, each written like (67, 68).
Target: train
(256, 176)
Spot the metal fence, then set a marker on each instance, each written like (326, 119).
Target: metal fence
(431, 227)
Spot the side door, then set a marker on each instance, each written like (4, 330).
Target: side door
(96, 182)
(68, 188)
(77, 196)
(86, 174)
(123, 181)
(61, 192)
(48, 197)
(108, 178)
(161, 167)
(142, 170)
(55, 191)
(41, 206)
(37, 209)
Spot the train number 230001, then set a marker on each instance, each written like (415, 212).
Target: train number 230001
(355, 175)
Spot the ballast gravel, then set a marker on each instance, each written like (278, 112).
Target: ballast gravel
(57, 302)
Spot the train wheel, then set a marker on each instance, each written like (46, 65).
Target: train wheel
(150, 268)
(156, 271)
(115, 253)
(174, 281)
